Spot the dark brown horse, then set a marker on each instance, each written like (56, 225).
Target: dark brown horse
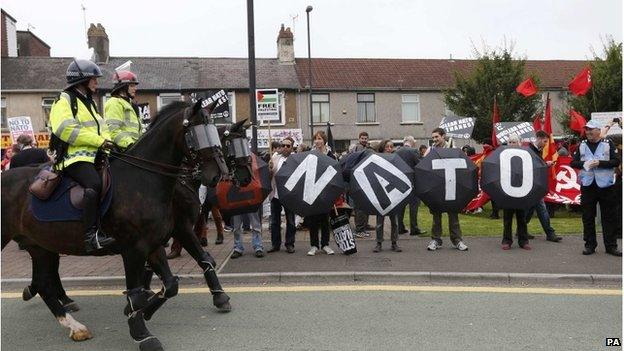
(186, 209)
(140, 217)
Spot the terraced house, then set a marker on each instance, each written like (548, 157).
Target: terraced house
(388, 98)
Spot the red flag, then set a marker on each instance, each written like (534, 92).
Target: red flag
(566, 188)
(549, 152)
(581, 84)
(527, 88)
(577, 122)
(495, 119)
(537, 122)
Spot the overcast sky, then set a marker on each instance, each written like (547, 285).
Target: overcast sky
(563, 29)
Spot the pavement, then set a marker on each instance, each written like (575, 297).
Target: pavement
(346, 318)
(483, 261)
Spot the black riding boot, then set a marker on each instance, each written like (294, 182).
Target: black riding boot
(94, 238)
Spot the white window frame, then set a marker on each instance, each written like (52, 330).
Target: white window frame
(320, 103)
(374, 102)
(232, 102)
(159, 101)
(3, 110)
(44, 106)
(415, 102)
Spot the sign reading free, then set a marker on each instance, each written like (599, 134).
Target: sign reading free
(267, 106)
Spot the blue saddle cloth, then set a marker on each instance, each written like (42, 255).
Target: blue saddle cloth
(58, 208)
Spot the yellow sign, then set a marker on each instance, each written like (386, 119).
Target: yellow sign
(42, 139)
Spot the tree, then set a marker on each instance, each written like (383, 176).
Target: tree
(606, 91)
(496, 75)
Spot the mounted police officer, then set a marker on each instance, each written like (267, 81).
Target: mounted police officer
(597, 160)
(121, 113)
(82, 135)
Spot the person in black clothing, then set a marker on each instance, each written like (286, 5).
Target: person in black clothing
(598, 160)
(28, 155)
(508, 214)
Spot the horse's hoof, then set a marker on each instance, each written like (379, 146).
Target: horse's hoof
(71, 307)
(27, 294)
(151, 344)
(80, 335)
(222, 302)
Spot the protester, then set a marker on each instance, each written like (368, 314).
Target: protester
(286, 148)
(276, 148)
(386, 146)
(8, 154)
(437, 136)
(256, 234)
(541, 139)
(508, 214)
(410, 142)
(597, 160)
(608, 126)
(423, 150)
(361, 217)
(321, 221)
(29, 154)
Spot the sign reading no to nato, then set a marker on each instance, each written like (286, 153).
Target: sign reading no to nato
(20, 125)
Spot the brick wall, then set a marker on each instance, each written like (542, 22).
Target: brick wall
(30, 45)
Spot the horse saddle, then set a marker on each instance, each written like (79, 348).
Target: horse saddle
(65, 203)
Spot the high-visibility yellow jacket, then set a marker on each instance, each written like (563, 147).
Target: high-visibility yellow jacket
(123, 122)
(84, 133)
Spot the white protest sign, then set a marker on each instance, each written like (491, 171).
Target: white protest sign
(267, 106)
(20, 125)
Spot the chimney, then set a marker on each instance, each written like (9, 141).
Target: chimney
(98, 40)
(285, 46)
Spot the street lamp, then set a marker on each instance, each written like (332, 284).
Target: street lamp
(308, 10)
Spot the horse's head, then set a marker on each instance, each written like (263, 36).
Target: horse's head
(204, 145)
(237, 154)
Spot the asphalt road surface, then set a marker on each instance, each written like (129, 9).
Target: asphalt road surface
(337, 318)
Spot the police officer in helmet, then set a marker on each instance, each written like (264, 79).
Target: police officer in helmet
(76, 124)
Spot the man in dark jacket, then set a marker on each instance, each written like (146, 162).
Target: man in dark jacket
(28, 155)
(541, 139)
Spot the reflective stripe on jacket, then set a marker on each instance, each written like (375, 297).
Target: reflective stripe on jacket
(122, 121)
(84, 133)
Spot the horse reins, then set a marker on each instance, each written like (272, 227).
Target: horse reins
(169, 170)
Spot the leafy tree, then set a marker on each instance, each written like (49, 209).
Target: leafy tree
(606, 92)
(496, 75)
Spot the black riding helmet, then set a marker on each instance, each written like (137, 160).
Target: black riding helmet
(80, 71)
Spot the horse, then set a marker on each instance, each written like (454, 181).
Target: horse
(186, 209)
(140, 217)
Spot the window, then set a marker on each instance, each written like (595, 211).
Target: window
(410, 107)
(366, 108)
(167, 98)
(46, 104)
(3, 113)
(320, 108)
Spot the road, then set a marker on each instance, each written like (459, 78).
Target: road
(337, 318)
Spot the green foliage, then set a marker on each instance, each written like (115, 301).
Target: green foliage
(606, 92)
(496, 74)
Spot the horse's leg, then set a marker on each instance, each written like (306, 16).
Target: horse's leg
(158, 262)
(43, 282)
(190, 243)
(134, 265)
(68, 304)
